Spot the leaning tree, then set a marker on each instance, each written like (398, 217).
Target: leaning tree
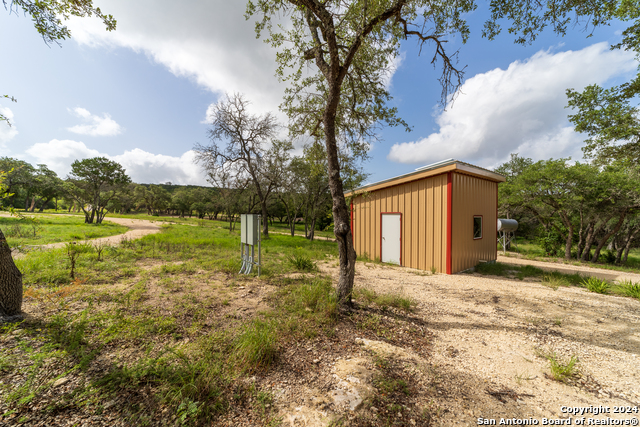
(351, 45)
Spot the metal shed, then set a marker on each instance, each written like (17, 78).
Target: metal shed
(442, 215)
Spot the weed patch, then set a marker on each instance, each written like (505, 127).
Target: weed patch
(596, 285)
(385, 301)
(630, 289)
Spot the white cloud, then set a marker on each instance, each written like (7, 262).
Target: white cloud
(208, 41)
(7, 133)
(149, 168)
(520, 109)
(59, 154)
(141, 166)
(96, 126)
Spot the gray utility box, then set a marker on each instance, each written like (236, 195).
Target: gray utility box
(249, 229)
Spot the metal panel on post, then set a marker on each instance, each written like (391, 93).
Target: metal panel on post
(249, 238)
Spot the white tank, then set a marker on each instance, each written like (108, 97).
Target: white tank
(507, 224)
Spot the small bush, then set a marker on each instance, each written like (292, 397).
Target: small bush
(630, 289)
(302, 262)
(562, 371)
(596, 285)
(608, 256)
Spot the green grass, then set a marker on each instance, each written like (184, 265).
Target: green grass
(53, 229)
(256, 348)
(385, 301)
(197, 381)
(562, 371)
(554, 279)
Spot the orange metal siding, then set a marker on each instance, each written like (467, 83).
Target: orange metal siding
(423, 205)
(472, 196)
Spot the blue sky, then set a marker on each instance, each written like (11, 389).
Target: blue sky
(140, 94)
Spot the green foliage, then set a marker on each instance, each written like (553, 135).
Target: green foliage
(609, 119)
(629, 288)
(551, 243)
(609, 256)
(596, 285)
(562, 371)
(302, 262)
(47, 16)
(93, 183)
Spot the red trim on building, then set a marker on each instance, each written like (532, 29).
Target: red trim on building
(391, 213)
(449, 219)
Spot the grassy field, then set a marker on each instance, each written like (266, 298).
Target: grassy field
(164, 331)
(44, 229)
(531, 250)
(279, 227)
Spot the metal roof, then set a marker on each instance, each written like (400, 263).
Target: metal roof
(434, 169)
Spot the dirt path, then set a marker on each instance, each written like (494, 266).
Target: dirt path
(610, 275)
(137, 229)
(491, 334)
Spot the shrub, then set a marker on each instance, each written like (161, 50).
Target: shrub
(629, 288)
(596, 285)
(609, 257)
(302, 262)
(562, 371)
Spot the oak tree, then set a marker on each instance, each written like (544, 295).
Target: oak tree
(248, 142)
(93, 183)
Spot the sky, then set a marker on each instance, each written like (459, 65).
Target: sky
(140, 95)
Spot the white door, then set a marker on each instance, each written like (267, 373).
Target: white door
(391, 238)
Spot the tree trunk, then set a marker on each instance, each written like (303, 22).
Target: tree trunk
(583, 239)
(45, 204)
(265, 219)
(341, 217)
(626, 247)
(33, 204)
(591, 237)
(603, 242)
(10, 282)
(312, 230)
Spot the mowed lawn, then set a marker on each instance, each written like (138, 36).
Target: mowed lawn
(45, 229)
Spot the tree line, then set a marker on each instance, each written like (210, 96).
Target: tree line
(298, 192)
(574, 209)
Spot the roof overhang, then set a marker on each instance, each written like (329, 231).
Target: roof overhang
(431, 170)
